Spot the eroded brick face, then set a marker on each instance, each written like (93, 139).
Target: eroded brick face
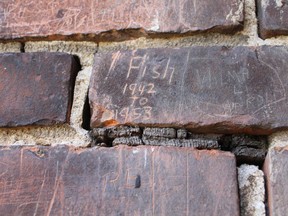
(117, 181)
(211, 89)
(273, 17)
(276, 172)
(36, 88)
(26, 18)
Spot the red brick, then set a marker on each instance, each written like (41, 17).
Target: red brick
(117, 181)
(276, 173)
(36, 88)
(31, 18)
(273, 18)
(216, 89)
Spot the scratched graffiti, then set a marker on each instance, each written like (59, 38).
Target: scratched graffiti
(41, 18)
(190, 86)
(108, 181)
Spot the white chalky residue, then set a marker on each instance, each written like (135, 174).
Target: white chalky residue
(252, 190)
(155, 23)
(236, 16)
(279, 3)
(135, 151)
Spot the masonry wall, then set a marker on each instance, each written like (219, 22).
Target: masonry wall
(143, 107)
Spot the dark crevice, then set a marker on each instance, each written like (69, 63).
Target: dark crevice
(86, 115)
(22, 47)
(266, 196)
(75, 68)
(257, 18)
(77, 59)
(248, 149)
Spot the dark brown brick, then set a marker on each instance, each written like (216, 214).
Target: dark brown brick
(24, 18)
(276, 173)
(211, 89)
(36, 88)
(117, 181)
(273, 17)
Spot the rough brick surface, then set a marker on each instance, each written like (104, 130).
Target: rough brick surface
(273, 17)
(24, 18)
(36, 88)
(276, 172)
(117, 181)
(214, 89)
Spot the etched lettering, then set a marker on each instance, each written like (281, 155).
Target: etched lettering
(135, 64)
(204, 79)
(147, 112)
(156, 74)
(143, 101)
(199, 86)
(151, 88)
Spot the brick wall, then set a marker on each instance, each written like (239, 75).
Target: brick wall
(143, 107)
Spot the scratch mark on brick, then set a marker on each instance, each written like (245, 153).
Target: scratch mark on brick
(40, 192)
(56, 185)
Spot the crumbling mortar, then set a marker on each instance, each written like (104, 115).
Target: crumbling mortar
(247, 148)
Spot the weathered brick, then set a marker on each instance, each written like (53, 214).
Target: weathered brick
(273, 18)
(276, 173)
(36, 88)
(117, 181)
(211, 89)
(24, 18)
